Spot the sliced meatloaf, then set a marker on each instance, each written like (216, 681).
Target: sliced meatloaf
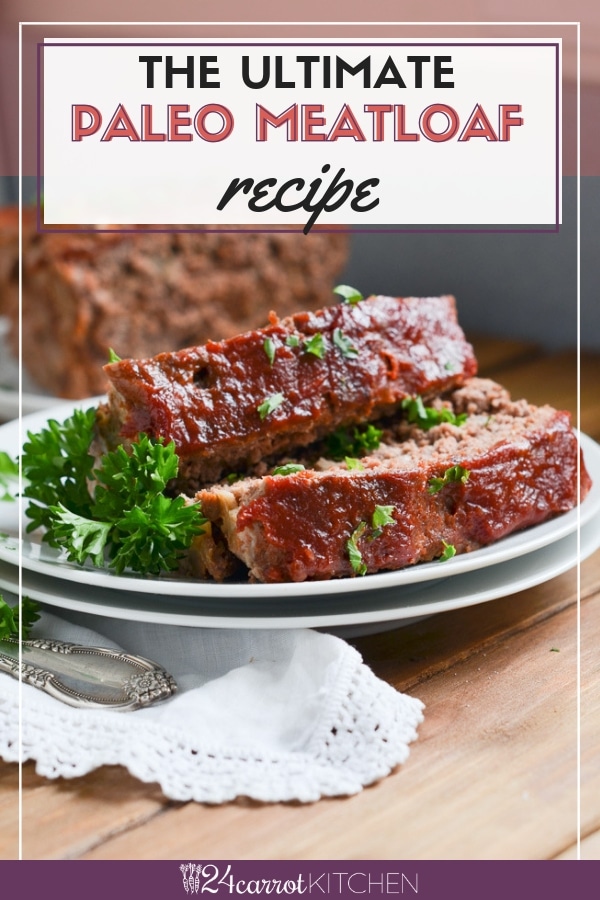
(419, 496)
(229, 404)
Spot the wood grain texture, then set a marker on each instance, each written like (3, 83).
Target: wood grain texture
(9, 811)
(493, 775)
(64, 818)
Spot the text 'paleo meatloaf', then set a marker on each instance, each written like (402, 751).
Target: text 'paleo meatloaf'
(230, 404)
(421, 494)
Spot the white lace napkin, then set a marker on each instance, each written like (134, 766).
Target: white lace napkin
(272, 715)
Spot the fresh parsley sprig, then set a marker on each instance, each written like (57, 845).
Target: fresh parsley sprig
(114, 512)
(27, 611)
(9, 476)
(58, 467)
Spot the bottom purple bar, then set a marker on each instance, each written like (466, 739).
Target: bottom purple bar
(426, 880)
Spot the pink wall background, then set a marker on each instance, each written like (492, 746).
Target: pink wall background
(585, 11)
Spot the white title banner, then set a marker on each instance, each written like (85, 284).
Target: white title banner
(300, 134)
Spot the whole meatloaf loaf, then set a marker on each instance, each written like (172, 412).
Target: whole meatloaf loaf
(421, 495)
(144, 292)
(230, 404)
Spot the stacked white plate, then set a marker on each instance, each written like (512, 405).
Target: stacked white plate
(513, 564)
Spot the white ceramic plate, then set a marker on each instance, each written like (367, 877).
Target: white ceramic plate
(350, 613)
(41, 559)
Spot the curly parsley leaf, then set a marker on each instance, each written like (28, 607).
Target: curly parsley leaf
(354, 554)
(344, 344)
(58, 466)
(27, 611)
(269, 348)
(448, 553)
(427, 417)
(114, 513)
(316, 345)
(288, 469)
(382, 517)
(353, 464)
(353, 442)
(349, 294)
(270, 405)
(8, 627)
(152, 538)
(80, 537)
(9, 477)
(453, 475)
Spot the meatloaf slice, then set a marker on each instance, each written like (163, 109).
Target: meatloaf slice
(227, 405)
(420, 495)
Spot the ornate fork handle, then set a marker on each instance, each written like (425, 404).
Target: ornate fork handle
(87, 677)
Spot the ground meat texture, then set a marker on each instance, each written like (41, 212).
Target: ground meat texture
(208, 399)
(146, 292)
(522, 463)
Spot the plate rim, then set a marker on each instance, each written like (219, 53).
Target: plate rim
(502, 584)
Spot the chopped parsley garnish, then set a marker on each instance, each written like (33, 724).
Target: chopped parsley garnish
(427, 417)
(292, 340)
(353, 442)
(112, 356)
(353, 463)
(9, 476)
(343, 343)
(233, 477)
(269, 348)
(117, 514)
(382, 516)
(316, 345)
(349, 294)
(27, 611)
(449, 552)
(288, 469)
(452, 475)
(270, 404)
(354, 554)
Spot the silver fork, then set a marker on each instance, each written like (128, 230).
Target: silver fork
(87, 677)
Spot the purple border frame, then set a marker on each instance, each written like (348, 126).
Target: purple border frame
(340, 229)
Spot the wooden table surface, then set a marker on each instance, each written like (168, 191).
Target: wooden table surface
(493, 775)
